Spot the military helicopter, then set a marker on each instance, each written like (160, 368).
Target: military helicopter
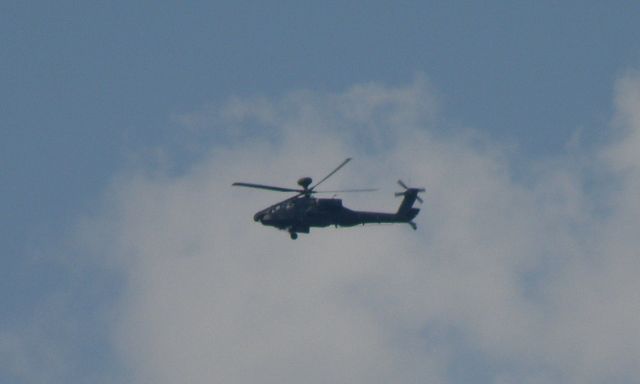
(299, 213)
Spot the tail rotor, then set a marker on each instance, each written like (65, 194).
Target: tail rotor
(406, 211)
(409, 190)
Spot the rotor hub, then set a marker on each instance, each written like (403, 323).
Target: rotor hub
(304, 182)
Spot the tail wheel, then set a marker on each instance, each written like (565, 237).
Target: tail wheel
(293, 235)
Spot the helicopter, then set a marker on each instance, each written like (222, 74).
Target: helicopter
(297, 214)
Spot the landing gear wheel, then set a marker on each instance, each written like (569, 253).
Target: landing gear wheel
(293, 235)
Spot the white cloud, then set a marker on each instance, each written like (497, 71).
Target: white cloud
(513, 282)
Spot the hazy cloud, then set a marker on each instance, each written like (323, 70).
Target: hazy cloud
(504, 281)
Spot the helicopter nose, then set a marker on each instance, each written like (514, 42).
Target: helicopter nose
(258, 216)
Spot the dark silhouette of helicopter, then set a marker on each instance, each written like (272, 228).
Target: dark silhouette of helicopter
(302, 211)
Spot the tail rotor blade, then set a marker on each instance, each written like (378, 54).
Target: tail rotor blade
(407, 189)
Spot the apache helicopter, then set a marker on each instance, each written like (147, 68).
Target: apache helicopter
(302, 211)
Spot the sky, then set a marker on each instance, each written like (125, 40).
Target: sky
(127, 256)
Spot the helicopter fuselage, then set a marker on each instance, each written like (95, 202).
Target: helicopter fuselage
(300, 213)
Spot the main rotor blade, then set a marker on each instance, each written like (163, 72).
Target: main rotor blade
(269, 187)
(348, 159)
(403, 185)
(350, 190)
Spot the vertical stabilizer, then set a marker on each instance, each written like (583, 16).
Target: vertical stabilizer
(406, 211)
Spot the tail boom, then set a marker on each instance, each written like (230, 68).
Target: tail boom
(405, 214)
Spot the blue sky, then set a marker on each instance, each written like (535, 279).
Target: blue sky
(85, 83)
(88, 91)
